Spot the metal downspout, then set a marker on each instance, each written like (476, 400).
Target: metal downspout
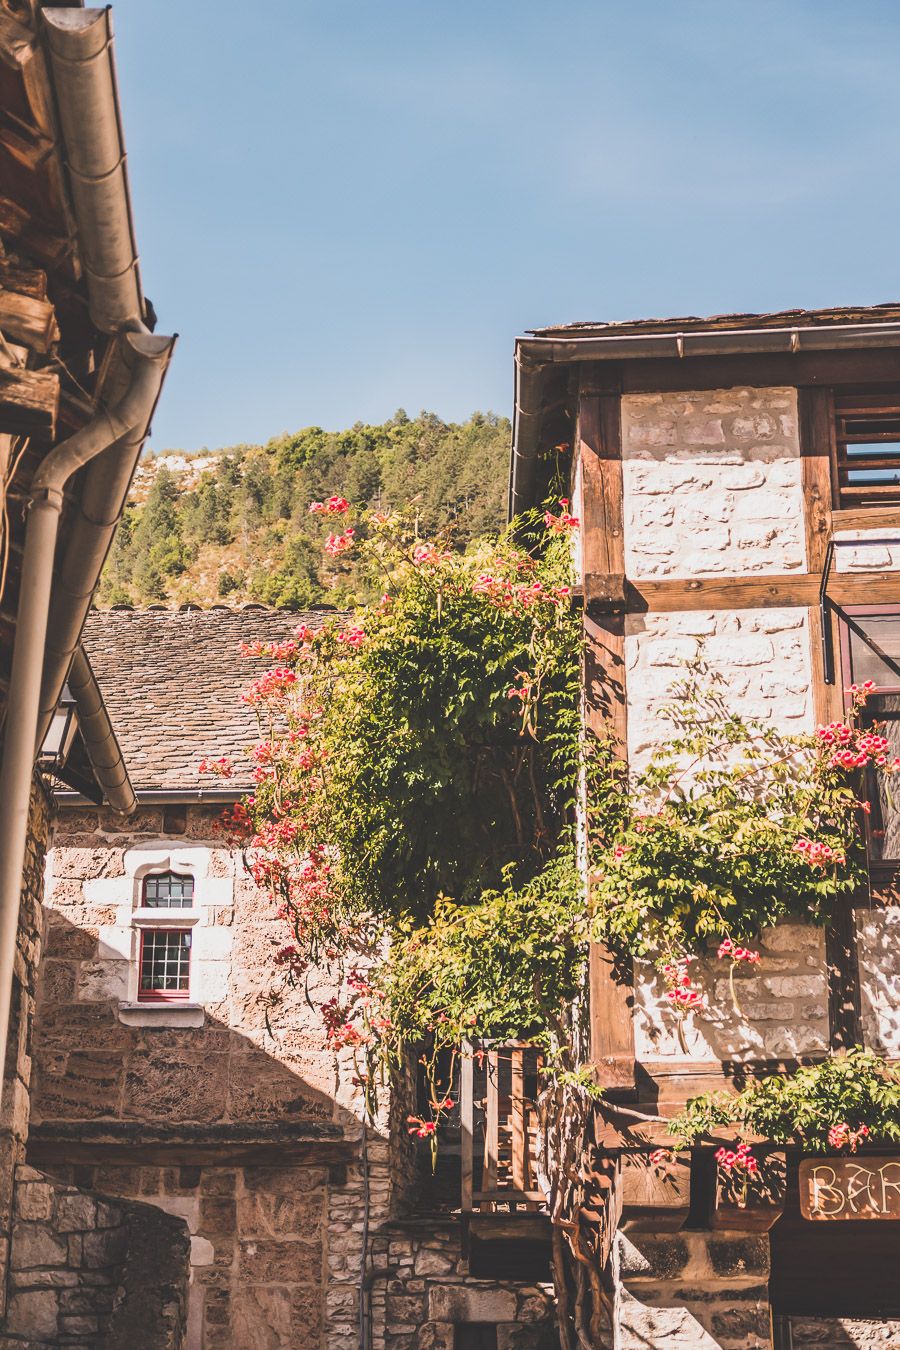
(129, 416)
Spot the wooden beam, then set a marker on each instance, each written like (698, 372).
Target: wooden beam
(29, 402)
(606, 712)
(869, 366)
(615, 595)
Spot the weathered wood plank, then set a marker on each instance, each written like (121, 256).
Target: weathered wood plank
(29, 402)
(654, 1197)
(26, 280)
(28, 321)
(866, 518)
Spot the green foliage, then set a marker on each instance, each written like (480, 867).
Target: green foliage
(419, 770)
(704, 842)
(248, 514)
(856, 1088)
(506, 966)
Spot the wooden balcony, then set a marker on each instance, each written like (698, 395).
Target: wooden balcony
(498, 1129)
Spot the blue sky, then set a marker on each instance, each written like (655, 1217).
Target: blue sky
(345, 208)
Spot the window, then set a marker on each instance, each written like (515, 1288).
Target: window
(164, 921)
(871, 651)
(165, 973)
(867, 433)
(168, 890)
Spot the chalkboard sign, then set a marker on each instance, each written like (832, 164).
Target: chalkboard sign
(850, 1188)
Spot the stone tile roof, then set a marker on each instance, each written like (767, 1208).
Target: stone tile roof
(172, 681)
(788, 318)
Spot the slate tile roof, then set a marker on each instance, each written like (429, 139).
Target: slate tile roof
(172, 681)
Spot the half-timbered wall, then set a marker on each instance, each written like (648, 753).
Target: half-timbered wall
(712, 485)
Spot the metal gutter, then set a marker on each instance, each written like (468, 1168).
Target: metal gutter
(80, 42)
(164, 796)
(100, 740)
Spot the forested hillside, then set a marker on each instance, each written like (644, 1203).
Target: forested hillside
(240, 530)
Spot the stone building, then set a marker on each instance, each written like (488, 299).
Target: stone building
(737, 484)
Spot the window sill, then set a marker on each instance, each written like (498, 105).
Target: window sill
(165, 918)
(146, 1013)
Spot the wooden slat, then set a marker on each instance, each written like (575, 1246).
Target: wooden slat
(491, 1126)
(606, 710)
(466, 1125)
(867, 518)
(17, 42)
(518, 1120)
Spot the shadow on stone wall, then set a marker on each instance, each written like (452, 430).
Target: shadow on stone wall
(93, 1273)
(241, 1135)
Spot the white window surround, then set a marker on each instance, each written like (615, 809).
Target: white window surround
(209, 954)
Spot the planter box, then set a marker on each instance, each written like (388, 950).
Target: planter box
(655, 1198)
(750, 1206)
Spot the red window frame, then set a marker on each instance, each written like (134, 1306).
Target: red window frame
(163, 995)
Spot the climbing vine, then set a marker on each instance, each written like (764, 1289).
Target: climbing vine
(417, 771)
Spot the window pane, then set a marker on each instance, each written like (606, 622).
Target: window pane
(165, 963)
(168, 890)
(875, 648)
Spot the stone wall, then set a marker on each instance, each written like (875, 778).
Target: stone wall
(712, 483)
(782, 1004)
(761, 656)
(842, 1333)
(691, 1291)
(92, 1273)
(421, 1292)
(16, 1106)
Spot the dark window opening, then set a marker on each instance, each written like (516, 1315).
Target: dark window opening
(474, 1336)
(165, 964)
(168, 890)
(867, 433)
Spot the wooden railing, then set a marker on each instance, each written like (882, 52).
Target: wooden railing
(498, 1086)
